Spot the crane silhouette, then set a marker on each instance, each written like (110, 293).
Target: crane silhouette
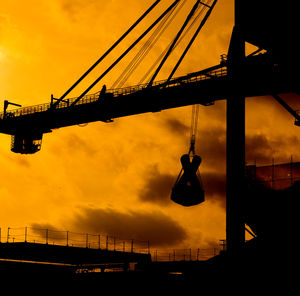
(270, 70)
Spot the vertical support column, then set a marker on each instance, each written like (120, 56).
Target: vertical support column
(235, 227)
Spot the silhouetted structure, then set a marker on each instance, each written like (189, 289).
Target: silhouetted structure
(271, 70)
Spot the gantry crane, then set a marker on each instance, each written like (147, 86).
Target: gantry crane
(271, 70)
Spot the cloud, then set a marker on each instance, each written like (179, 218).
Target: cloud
(157, 187)
(154, 226)
(260, 148)
(176, 126)
(42, 230)
(214, 184)
(77, 144)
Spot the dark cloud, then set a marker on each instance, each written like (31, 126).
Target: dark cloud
(155, 226)
(214, 184)
(176, 126)
(260, 148)
(157, 188)
(44, 230)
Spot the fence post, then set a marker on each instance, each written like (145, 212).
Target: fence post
(67, 238)
(25, 234)
(8, 234)
(132, 246)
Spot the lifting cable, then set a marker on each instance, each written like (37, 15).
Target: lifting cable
(165, 51)
(107, 52)
(127, 51)
(189, 17)
(194, 128)
(147, 47)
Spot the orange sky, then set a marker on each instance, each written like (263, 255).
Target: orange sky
(89, 178)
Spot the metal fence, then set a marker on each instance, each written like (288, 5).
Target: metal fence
(73, 239)
(103, 242)
(184, 254)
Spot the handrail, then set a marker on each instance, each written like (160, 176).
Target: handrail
(91, 98)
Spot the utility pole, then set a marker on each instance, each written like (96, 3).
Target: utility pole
(235, 227)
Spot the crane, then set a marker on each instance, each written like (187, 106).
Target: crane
(272, 72)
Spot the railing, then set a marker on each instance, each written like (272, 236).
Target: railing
(73, 239)
(102, 242)
(192, 78)
(176, 255)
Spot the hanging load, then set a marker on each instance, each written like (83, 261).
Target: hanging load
(188, 190)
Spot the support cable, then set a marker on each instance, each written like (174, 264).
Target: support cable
(107, 52)
(165, 51)
(189, 17)
(127, 51)
(192, 40)
(148, 46)
(143, 51)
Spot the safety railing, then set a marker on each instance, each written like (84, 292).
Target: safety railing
(103, 242)
(91, 98)
(184, 254)
(73, 239)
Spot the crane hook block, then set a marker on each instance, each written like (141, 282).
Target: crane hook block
(188, 190)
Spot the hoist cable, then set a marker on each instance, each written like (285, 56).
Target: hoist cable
(189, 17)
(127, 51)
(108, 51)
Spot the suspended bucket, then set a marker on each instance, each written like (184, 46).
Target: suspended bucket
(188, 190)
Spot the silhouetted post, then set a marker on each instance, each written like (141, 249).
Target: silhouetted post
(67, 238)
(273, 173)
(235, 150)
(8, 234)
(132, 246)
(25, 234)
(292, 173)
